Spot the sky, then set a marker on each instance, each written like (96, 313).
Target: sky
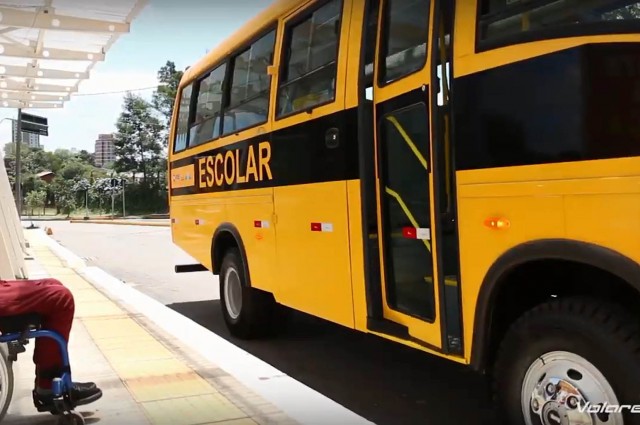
(178, 30)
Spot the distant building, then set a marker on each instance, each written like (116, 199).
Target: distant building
(104, 152)
(33, 140)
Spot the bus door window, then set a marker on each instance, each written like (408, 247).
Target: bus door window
(405, 35)
(406, 202)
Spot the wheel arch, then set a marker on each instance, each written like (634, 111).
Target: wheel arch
(497, 280)
(227, 236)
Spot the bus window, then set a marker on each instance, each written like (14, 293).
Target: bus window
(513, 21)
(311, 59)
(182, 131)
(250, 86)
(204, 127)
(405, 30)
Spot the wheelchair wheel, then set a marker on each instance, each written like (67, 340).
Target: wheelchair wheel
(6, 380)
(71, 418)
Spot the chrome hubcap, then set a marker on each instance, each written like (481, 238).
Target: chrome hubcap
(233, 293)
(562, 388)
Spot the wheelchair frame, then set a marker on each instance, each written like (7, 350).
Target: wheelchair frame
(16, 340)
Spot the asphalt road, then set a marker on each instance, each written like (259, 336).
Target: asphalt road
(382, 381)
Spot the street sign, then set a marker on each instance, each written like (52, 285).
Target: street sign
(35, 124)
(117, 182)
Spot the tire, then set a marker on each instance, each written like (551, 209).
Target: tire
(580, 341)
(247, 315)
(6, 381)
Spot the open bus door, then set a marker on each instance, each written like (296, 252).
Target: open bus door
(413, 283)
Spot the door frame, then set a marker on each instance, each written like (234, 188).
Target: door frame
(449, 341)
(451, 320)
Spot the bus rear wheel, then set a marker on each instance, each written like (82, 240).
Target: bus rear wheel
(248, 312)
(564, 361)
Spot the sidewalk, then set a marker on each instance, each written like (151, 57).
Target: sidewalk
(126, 222)
(147, 376)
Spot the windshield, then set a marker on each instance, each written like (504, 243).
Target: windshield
(531, 19)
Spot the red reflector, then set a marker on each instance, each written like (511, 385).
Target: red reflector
(409, 232)
(316, 227)
(257, 223)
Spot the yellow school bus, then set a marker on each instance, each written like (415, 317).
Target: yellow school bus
(462, 177)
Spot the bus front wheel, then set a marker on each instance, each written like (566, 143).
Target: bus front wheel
(248, 312)
(570, 361)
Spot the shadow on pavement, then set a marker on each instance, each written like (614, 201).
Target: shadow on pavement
(385, 382)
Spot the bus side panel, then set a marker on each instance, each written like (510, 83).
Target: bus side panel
(313, 250)
(531, 217)
(196, 219)
(252, 216)
(606, 211)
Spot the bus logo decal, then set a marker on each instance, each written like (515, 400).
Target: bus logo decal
(235, 166)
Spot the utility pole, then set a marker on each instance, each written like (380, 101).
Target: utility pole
(19, 163)
(113, 196)
(86, 204)
(122, 181)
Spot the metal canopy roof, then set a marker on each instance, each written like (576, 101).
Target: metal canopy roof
(47, 47)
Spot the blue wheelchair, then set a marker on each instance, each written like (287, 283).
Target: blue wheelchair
(16, 333)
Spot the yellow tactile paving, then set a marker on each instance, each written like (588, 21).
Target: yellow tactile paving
(87, 295)
(149, 350)
(169, 391)
(97, 308)
(121, 347)
(44, 254)
(103, 328)
(192, 410)
(156, 388)
(141, 369)
(62, 277)
(75, 282)
(58, 270)
(109, 344)
(243, 421)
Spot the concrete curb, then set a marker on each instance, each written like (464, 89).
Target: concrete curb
(123, 222)
(293, 398)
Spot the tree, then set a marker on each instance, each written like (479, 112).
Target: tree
(36, 199)
(83, 186)
(631, 11)
(164, 97)
(62, 191)
(137, 140)
(10, 159)
(73, 170)
(36, 161)
(66, 204)
(86, 157)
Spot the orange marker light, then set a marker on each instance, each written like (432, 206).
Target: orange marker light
(497, 223)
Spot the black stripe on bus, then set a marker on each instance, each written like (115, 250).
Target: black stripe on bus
(574, 105)
(322, 150)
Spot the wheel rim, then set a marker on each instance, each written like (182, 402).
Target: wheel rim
(4, 381)
(562, 388)
(233, 293)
